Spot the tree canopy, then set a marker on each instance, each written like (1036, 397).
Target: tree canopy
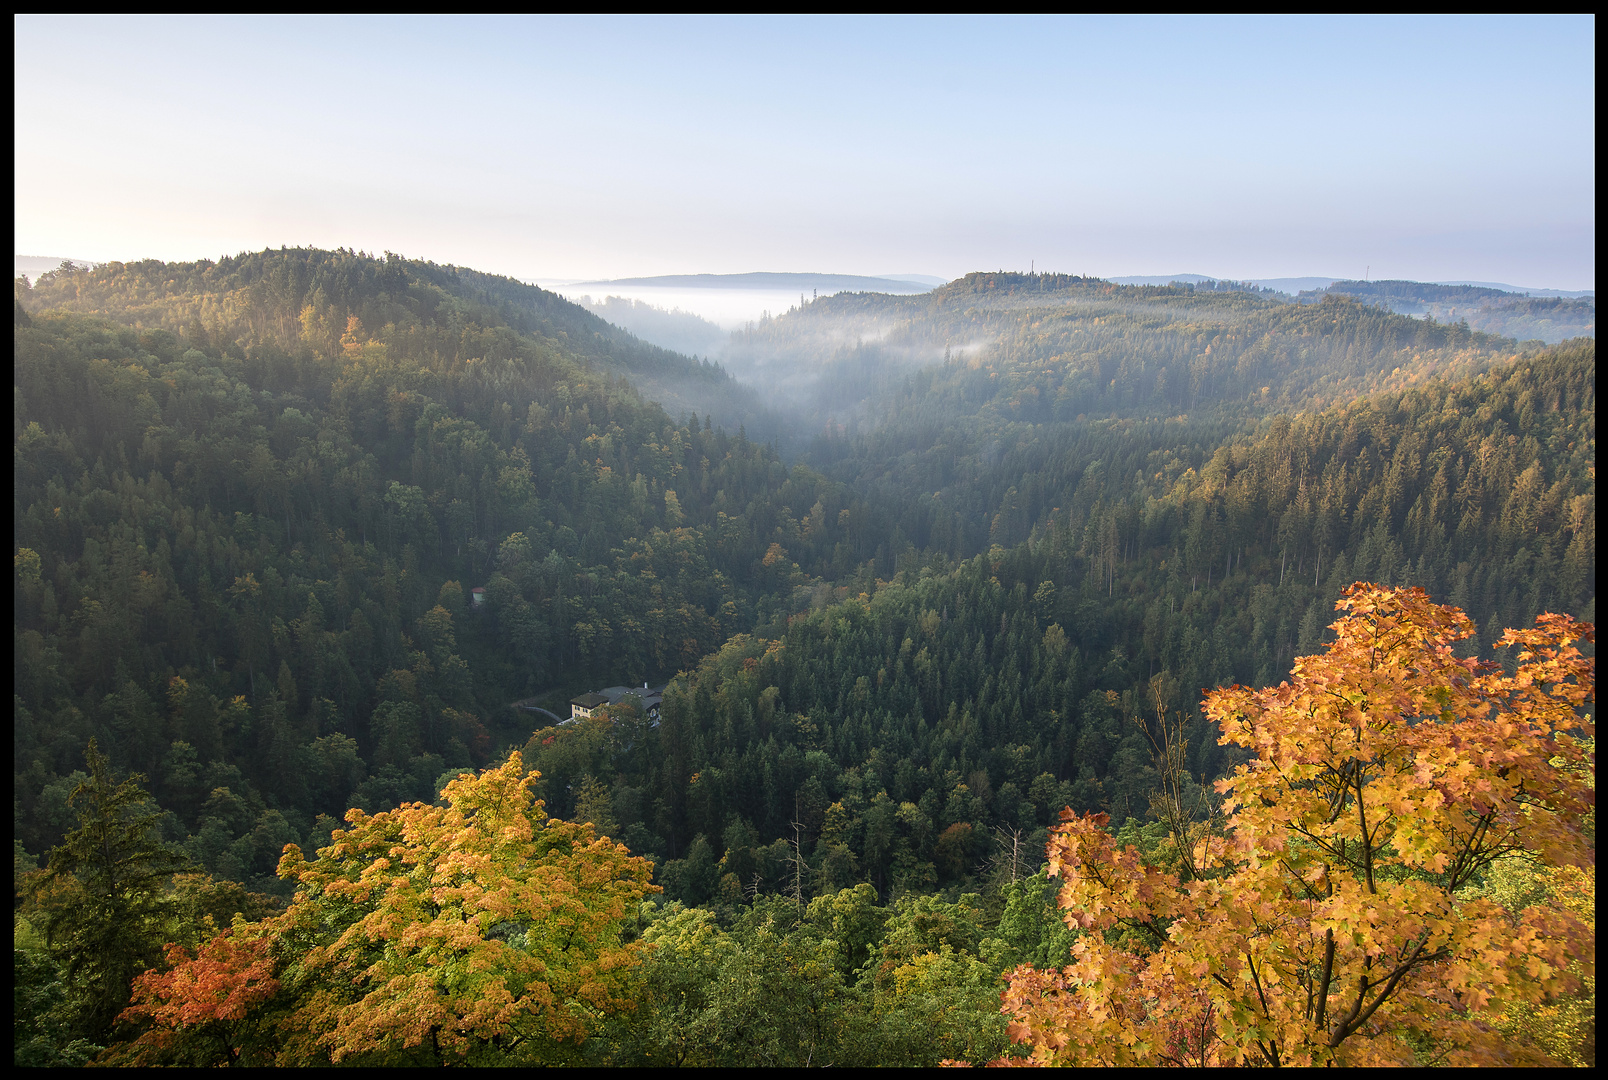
(104, 892)
(479, 931)
(1329, 921)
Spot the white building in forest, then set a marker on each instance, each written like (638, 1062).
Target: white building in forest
(651, 698)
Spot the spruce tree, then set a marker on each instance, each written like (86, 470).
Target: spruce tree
(104, 893)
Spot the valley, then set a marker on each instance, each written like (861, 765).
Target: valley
(915, 572)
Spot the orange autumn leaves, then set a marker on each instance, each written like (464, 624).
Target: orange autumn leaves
(1333, 919)
(198, 1007)
(426, 934)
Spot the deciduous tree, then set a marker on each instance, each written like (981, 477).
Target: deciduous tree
(1331, 921)
(199, 1007)
(473, 932)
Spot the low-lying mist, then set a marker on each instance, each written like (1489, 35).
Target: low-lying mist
(1047, 348)
(729, 309)
(673, 328)
(813, 363)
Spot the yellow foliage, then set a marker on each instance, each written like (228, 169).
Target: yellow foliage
(477, 932)
(1333, 922)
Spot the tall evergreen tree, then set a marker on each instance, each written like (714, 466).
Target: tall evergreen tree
(104, 893)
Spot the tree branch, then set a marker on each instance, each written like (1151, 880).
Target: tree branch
(1367, 839)
(1359, 1016)
(1339, 1031)
(1328, 974)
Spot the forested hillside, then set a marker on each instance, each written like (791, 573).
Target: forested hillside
(255, 503)
(1540, 318)
(681, 331)
(300, 300)
(1044, 347)
(246, 554)
(903, 727)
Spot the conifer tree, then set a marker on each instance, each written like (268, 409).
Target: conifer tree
(103, 893)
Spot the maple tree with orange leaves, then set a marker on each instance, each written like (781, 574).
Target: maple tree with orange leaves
(476, 932)
(1333, 918)
(199, 1006)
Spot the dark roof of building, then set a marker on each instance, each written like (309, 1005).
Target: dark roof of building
(590, 701)
(650, 696)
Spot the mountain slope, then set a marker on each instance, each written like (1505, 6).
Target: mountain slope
(302, 298)
(1043, 347)
(246, 550)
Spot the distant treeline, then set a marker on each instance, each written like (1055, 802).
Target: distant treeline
(1416, 291)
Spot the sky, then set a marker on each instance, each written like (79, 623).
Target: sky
(567, 148)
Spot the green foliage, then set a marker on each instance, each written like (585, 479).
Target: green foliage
(244, 535)
(100, 915)
(102, 896)
(252, 499)
(1030, 928)
(846, 983)
(42, 1017)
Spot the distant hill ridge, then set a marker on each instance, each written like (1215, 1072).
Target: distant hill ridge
(1296, 285)
(1524, 317)
(1440, 291)
(261, 297)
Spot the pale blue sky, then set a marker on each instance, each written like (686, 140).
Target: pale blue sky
(1430, 148)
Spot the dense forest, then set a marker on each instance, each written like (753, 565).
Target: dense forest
(228, 549)
(295, 530)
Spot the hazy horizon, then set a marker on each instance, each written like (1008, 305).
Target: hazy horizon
(732, 306)
(1424, 148)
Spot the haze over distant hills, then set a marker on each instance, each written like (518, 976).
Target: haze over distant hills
(729, 301)
(31, 266)
(697, 313)
(1296, 285)
(925, 279)
(823, 282)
